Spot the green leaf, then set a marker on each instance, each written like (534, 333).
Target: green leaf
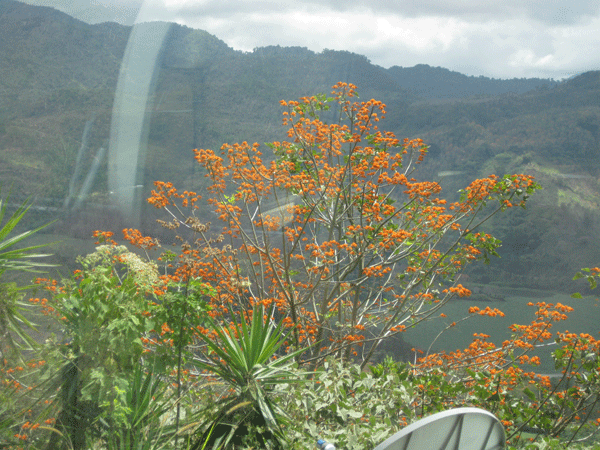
(530, 395)
(355, 414)
(18, 259)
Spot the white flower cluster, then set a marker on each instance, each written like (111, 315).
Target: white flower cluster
(104, 254)
(144, 273)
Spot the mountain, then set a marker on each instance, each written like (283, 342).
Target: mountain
(434, 83)
(59, 76)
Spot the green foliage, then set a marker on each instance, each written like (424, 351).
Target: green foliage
(590, 274)
(182, 309)
(356, 409)
(244, 358)
(13, 257)
(102, 310)
(15, 327)
(347, 406)
(134, 421)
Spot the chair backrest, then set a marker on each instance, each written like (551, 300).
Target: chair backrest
(456, 429)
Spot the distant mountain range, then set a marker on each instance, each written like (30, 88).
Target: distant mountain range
(58, 74)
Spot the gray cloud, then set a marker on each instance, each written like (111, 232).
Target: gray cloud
(548, 11)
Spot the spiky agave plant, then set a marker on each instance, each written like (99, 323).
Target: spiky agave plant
(243, 357)
(14, 325)
(16, 258)
(139, 423)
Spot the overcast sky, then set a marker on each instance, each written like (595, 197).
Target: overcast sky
(512, 38)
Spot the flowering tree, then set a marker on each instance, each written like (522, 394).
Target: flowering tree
(333, 230)
(328, 247)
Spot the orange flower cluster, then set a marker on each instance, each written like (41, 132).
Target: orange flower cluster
(48, 284)
(486, 312)
(499, 360)
(582, 342)
(165, 193)
(423, 190)
(460, 290)
(104, 237)
(43, 302)
(480, 189)
(376, 271)
(135, 238)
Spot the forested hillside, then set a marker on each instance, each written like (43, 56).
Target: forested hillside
(57, 74)
(437, 83)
